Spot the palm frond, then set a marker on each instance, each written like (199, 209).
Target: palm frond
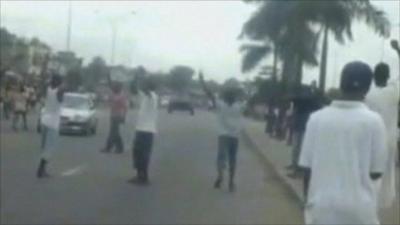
(252, 55)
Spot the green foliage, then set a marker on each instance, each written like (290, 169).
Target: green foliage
(180, 78)
(95, 72)
(294, 28)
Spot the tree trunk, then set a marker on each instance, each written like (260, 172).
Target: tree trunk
(275, 63)
(324, 61)
(299, 71)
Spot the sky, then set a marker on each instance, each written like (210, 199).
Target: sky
(161, 34)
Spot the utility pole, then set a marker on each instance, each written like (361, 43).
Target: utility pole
(69, 25)
(113, 44)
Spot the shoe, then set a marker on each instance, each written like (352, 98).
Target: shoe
(217, 183)
(295, 175)
(42, 173)
(138, 181)
(45, 175)
(290, 167)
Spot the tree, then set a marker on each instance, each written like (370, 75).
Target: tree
(95, 72)
(278, 30)
(294, 29)
(73, 80)
(180, 78)
(336, 17)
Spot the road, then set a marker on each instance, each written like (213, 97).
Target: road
(88, 187)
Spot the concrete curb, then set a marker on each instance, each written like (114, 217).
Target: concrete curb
(286, 181)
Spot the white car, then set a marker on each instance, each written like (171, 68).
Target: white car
(78, 114)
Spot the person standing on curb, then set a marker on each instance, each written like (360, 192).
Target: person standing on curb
(384, 99)
(344, 152)
(230, 120)
(50, 122)
(146, 128)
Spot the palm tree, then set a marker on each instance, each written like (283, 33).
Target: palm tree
(274, 27)
(336, 17)
(296, 26)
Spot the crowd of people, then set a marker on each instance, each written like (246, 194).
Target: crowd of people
(344, 148)
(16, 102)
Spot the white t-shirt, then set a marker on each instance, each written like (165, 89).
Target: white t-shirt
(148, 113)
(385, 102)
(229, 118)
(52, 110)
(343, 144)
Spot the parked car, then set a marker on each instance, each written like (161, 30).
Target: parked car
(78, 114)
(180, 105)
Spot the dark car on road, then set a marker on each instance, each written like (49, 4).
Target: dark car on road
(180, 105)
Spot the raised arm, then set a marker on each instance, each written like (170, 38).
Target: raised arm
(209, 94)
(396, 48)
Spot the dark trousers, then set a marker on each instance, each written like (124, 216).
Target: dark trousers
(227, 149)
(18, 114)
(114, 137)
(6, 110)
(298, 141)
(142, 152)
(271, 123)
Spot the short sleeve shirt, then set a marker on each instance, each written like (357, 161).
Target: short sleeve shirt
(343, 144)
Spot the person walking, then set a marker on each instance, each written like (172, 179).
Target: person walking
(50, 122)
(384, 98)
(230, 121)
(20, 103)
(118, 103)
(343, 152)
(146, 128)
(304, 104)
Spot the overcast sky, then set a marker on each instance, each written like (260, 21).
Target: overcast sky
(161, 34)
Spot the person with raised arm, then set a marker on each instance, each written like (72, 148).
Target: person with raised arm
(229, 116)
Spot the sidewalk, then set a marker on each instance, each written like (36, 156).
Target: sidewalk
(278, 155)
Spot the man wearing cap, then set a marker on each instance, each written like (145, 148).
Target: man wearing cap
(384, 98)
(344, 151)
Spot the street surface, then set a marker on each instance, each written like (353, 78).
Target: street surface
(89, 187)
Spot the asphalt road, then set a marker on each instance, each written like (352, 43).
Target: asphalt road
(88, 187)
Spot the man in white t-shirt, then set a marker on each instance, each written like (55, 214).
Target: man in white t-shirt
(146, 128)
(50, 122)
(230, 125)
(384, 98)
(344, 151)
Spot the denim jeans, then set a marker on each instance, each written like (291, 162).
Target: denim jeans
(227, 148)
(49, 141)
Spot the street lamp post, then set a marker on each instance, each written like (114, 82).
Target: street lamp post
(114, 34)
(69, 26)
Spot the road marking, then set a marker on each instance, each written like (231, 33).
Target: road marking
(74, 171)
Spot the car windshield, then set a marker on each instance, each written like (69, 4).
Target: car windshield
(76, 102)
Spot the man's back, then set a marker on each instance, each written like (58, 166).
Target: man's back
(344, 143)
